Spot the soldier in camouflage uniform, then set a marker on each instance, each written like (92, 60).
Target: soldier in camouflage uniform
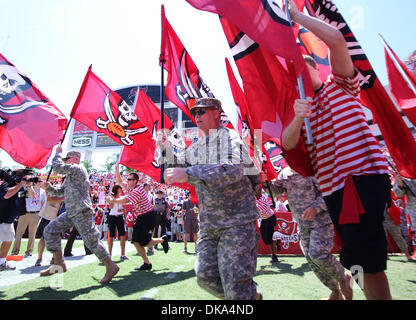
(79, 213)
(407, 187)
(219, 167)
(395, 232)
(316, 231)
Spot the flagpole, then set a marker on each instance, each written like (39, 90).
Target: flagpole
(301, 88)
(62, 140)
(398, 66)
(162, 118)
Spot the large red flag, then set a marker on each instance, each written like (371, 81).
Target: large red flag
(103, 110)
(261, 20)
(30, 124)
(260, 157)
(149, 114)
(396, 134)
(185, 83)
(270, 91)
(402, 90)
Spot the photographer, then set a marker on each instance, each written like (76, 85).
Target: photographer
(35, 200)
(11, 206)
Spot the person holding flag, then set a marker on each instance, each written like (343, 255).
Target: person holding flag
(226, 182)
(79, 213)
(347, 161)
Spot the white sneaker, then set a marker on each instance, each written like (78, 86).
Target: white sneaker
(122, 258)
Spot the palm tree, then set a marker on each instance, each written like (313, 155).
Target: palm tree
(87, 164)
(110, 162)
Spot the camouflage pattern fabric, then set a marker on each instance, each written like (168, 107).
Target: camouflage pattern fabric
(226, 181)
(316, 236)
(86, 228)
(227, 260)
(411, 199)
(78, 206)
(395, 232)
(75, 187)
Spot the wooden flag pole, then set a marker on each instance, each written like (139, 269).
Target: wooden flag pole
(301, 88)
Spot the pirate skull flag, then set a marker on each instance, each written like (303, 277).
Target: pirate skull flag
(30, 124)
(103, 110)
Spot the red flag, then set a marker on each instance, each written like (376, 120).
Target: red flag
(404, 92)
(261, 20)
(396, 134)
(30, 124)
(185, 83)
(103, 110)
(247, 134)
(270, 91)
(149, 114)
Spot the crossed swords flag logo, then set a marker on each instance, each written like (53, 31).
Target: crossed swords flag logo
(104, 111)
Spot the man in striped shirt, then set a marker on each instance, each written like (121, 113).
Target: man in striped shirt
(145, 221)
(348, 163)
(268, 223)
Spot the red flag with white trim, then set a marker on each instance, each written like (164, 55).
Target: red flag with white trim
(149, 114)
(104, 111)
(30, 124)
(261, 20)
(185, 83)
(402, 90)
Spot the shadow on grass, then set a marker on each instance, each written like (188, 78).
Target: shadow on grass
(281, 268)
(121, 286)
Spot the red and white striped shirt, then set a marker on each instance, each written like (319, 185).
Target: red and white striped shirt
(343, 143)
(140, 201)
(263, 206)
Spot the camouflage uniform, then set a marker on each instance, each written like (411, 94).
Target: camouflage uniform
(411, 199)
(79, 212)
(394, 230)
(316, 236)
(224, 177)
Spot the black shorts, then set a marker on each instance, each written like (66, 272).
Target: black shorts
(116, 222)
(41, 226)
(143, 228)
(364, 243)
(267, 229)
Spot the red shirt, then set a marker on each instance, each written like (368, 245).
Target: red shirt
(343, 142)
(140, 201)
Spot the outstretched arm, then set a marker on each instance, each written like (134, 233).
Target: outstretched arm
(340, 60)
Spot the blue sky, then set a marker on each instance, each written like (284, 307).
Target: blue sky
(54, 41)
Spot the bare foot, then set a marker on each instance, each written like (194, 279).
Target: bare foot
(55, 268)
(346, 287)
(110, 273)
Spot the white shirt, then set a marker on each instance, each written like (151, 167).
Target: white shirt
(117, 210)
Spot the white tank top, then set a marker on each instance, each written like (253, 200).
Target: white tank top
(117, 210)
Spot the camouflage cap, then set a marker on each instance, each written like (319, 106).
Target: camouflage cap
(71, 154)
(207, 102)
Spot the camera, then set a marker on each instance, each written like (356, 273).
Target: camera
(13, 177)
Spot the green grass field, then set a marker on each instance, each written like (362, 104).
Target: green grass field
(173, 278)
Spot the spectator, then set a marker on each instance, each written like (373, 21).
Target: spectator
(116, 220)
(48, 212)
(35, 199)
(191, 223)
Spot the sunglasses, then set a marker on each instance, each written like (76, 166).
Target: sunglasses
(200, 112)
(131, 179)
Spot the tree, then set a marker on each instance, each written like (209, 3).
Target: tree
(110, 162)
(87, 164)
